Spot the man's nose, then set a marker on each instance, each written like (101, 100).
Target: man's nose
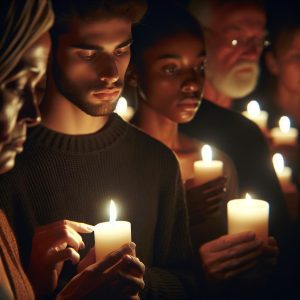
(108, 71)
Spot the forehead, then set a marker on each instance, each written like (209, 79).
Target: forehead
(179, 44)
(234, 16)
(98, 31)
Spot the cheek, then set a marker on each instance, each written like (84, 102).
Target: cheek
(290, 74)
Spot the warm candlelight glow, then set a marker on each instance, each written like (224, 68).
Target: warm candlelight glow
(206, 153)
(278, 163)
(121, 107)
(112, 211)
(253, 108)
(284, 124)
(248, 198)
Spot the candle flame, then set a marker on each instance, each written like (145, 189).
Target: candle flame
(248, 198)
(278, 163)
(206, 153)
(253, 108)
(284, 124)
(121, 107)
(112, 212)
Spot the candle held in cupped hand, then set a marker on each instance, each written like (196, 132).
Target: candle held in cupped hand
(207, 169)
(123, 110)
(260, 117)
(109, 236)
(284, 134)
(248, 215)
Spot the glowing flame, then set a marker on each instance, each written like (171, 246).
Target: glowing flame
(278, 163)
(253, 108)
(112, 212)
(248, 198)
(121, 107)
(284, 124)
(206, 153)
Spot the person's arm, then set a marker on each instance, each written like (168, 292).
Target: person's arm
(171, 276)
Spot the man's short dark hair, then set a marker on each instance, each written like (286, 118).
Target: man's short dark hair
(163, 19)
(67, 10)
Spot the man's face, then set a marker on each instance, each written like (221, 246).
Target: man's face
(235, 40)
(172, 76)
(288, 65)
(18, 102)
(90, 63)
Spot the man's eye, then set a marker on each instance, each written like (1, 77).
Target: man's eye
(122, 51)
(170, 69)
(200, 68)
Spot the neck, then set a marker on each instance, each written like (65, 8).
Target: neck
(61, 115)
(157, 125)
(288, 102)
(212, 94)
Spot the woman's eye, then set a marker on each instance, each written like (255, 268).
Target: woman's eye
(16, 88)
(87, 56)
(170, 69)
(200, 68)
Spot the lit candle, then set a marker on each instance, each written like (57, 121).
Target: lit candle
(284, 174)
(284, 134)
(123, 110)
(248, 215)
(109, 236)
(260, 117)
(207, 169)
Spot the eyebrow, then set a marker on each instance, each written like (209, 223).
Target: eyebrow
(87, 46)
(175, 56)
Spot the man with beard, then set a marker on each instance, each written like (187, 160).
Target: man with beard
(235, 37)
(82, 155)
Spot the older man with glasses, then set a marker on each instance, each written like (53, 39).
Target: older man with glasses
(235, 36)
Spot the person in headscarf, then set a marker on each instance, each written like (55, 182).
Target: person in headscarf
(24, 45)
(24, 50)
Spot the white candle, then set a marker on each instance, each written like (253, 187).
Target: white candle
(284, 174)
(284, 134)
(207, 169)
(248, 215)
(123, 110)
(260, 117)
(109, 236)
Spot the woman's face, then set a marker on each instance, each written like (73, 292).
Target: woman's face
(18, 103)
(172, 76)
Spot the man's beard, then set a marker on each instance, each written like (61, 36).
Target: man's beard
(78, 96)
(235, 83)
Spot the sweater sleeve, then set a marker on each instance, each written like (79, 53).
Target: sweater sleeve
(171, 276)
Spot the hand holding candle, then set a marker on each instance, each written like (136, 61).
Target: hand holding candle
(207, 169)
(256, 115)
(109, 236)
(248, 215)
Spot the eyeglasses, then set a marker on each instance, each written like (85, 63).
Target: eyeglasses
(247, 42)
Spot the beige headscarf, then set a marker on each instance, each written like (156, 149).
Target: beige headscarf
(22, 22)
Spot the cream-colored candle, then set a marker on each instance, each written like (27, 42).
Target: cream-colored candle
(284, 134)
(284, 174)
(248, 215)
(260, 117)
(123, 110)
(207, 169)
(109, 236)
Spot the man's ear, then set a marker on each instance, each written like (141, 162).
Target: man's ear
(271, 63)
(131, 76)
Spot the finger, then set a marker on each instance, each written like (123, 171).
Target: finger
(229, 241)
(56, 257)
(89, 259)
(113, 258)
(130, 285)
(219, 181)
(79, 227)
(132, 265)
(238, 271)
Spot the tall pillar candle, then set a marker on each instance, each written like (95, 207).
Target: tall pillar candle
(207, 169)
(109, 236)
(248, 215)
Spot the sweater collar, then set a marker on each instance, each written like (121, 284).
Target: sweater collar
(115, 129)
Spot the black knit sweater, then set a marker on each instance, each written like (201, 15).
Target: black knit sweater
(74, 177)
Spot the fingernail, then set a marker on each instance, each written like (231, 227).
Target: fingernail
(82, 246)
(132, 245)
(90, 228)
